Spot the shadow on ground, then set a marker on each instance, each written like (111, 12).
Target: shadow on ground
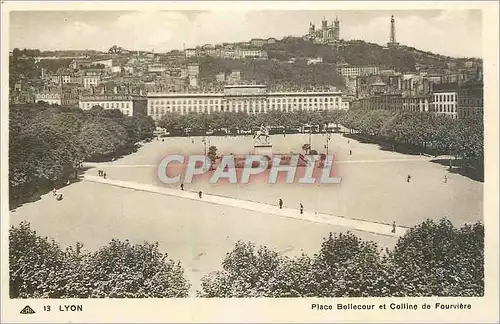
(388, 146)
(39, 192)
(476, 174)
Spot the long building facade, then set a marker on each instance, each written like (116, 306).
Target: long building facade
(251, 99)
(470, 100)
(129, 105)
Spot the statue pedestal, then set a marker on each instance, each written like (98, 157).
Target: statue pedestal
(263, 149)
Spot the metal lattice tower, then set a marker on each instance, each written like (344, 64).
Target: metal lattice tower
(393, 31)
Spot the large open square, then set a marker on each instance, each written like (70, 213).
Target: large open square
(199, 234)
(373, 185)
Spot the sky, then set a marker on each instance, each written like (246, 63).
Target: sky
(448, 32)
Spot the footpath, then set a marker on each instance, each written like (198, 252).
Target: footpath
(354, 224)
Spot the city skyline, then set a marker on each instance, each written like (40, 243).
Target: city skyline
(455, 33)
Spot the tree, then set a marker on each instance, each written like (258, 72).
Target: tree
(48, 143)
(171, 122)
(429, 260)
(437, 259)
(123, 270)
(102, 138)
(115, 49)
(40, 269)
(246, 273)
(34, 263)
(212, 153)
(347, 266)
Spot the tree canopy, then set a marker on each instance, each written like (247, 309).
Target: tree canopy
(432, 259)
(41, 269)
(48, 143)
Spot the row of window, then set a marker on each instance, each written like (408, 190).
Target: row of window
(245, 107)
(162, 110)
(470, 102)
(211, 101)
(107, 105)
(445, 108)
(48, 96)
(469, 112)
(52, 102)
(444, 97)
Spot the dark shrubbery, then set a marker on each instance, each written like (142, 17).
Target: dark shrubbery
(432, 259)
(48, 143)
(429, 132)
(40, 269)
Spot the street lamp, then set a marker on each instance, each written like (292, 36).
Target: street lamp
(450, 159)
(310, 132)
(204, 141)
(328, 137)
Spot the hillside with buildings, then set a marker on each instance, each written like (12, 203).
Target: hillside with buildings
(316, 71)
(360, 53)
(274, 73)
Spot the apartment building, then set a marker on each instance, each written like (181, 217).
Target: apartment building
(250, 99)
(124, 103)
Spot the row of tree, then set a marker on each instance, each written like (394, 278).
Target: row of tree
(428, 131)
(47, 144)
(39, 268)
(243, 121)
(431, 259)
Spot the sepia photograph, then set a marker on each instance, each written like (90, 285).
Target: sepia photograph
(247, 153)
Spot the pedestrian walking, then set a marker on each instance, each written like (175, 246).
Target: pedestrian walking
(348, 141)
(68, 182)
(104, 174)
(199, 193)
(99, 172)
(301, 209)
(350, 152)
(408, 178)
(182, 186)
(54, 192)
(445, 180)
(393, 227)
(280, 202)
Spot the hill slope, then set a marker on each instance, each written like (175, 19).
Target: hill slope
(278, 71)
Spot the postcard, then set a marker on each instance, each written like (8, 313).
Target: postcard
(249, 162)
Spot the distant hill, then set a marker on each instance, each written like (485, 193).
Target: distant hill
(278, 71)
(360, 53)
(272, 72)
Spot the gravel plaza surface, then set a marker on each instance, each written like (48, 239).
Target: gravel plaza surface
(199, 234)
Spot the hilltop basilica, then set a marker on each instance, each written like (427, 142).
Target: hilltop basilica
(327, 33)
